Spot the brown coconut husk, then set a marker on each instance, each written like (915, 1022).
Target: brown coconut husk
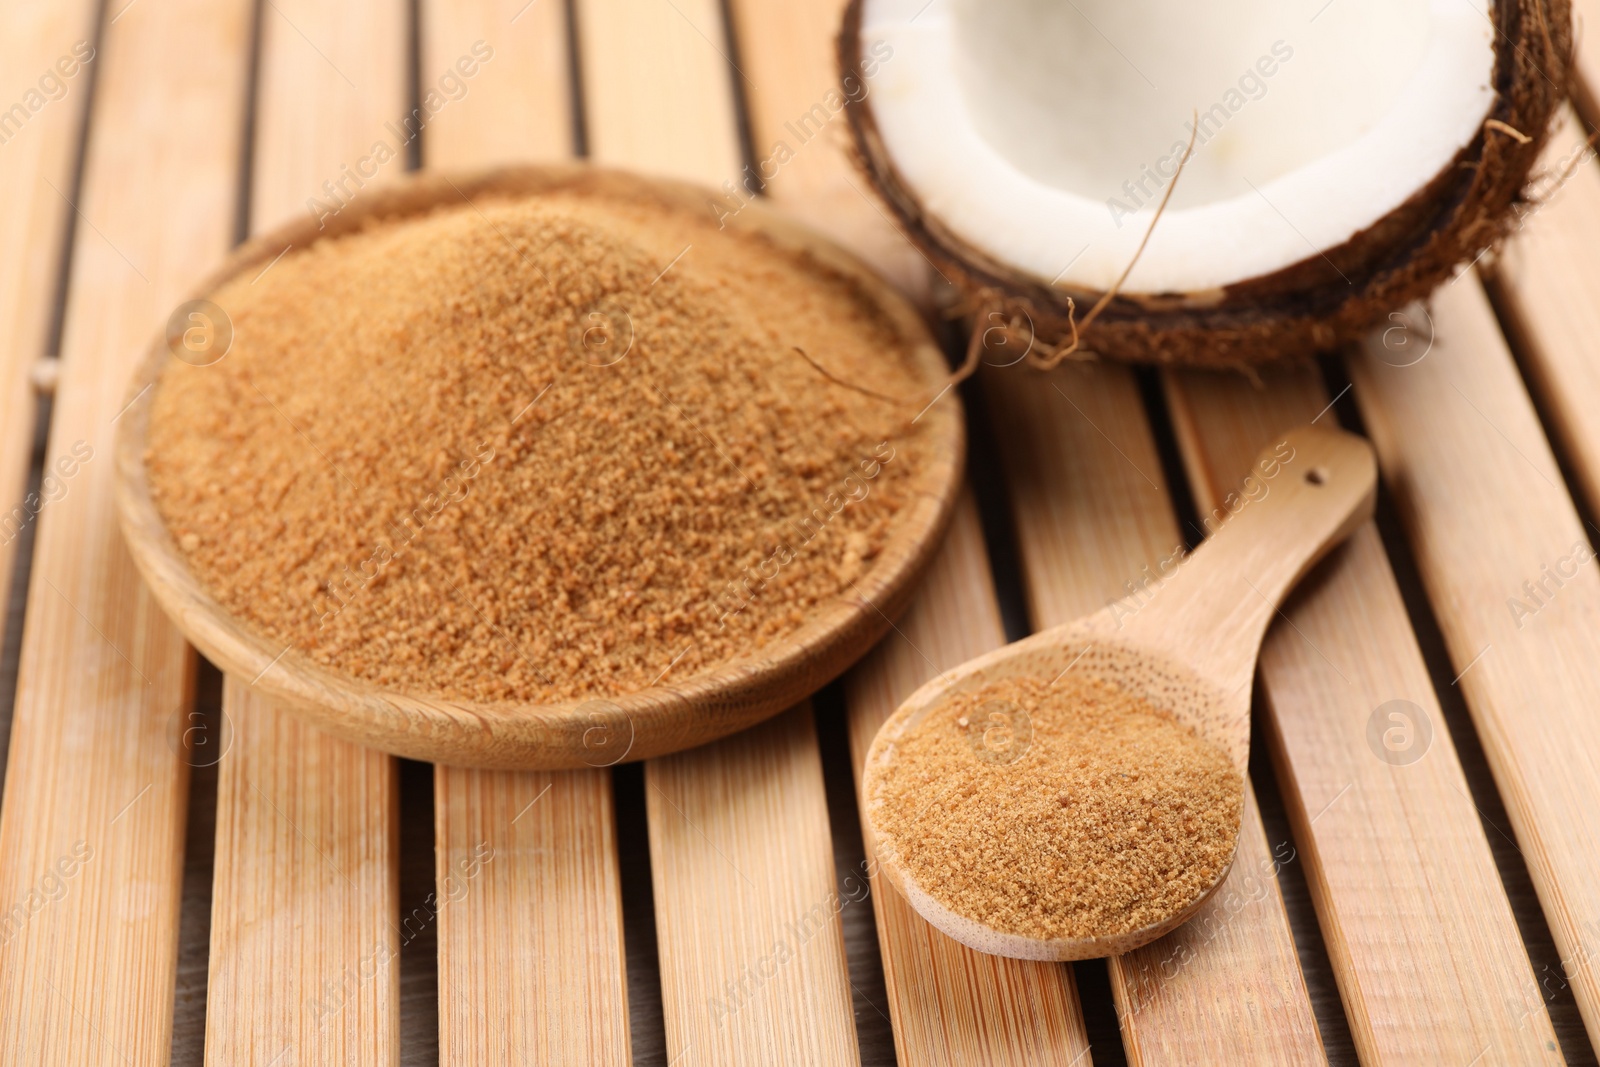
(1314, 305)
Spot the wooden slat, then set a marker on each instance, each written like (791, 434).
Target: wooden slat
(1546, 284)
(308, 881)
(1425, 948)
(36, 164)
(529, 897)
(91, 827)
(950, 1004)
(751, 946)
(797, 123)
(1091, 510)
(658, 89)
(516, 107)
(752, 953)
(1484, 508)
(295, 848)
(530, 919)
(332, 84)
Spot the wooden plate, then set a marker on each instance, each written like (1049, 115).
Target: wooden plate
(606, 729)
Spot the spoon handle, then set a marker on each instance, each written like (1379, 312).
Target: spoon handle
(1306, 492)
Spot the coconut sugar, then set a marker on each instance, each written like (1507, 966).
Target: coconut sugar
(1062, 810)
(536, 450)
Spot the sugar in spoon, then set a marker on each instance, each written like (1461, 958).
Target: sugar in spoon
(1184, 649)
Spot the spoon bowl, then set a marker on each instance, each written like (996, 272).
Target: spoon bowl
(1185, 644)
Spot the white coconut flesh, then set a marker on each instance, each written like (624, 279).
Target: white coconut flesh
(1042, 133)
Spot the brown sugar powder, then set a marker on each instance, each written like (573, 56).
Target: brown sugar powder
(1061, 810)
(536, 449)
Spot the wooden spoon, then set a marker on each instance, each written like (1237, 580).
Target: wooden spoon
(1186, 644)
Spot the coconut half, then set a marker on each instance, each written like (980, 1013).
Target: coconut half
(1347, 154)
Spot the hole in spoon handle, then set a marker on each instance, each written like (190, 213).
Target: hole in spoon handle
(1306, 492)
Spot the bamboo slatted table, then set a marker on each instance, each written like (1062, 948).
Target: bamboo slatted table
(188, 875)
